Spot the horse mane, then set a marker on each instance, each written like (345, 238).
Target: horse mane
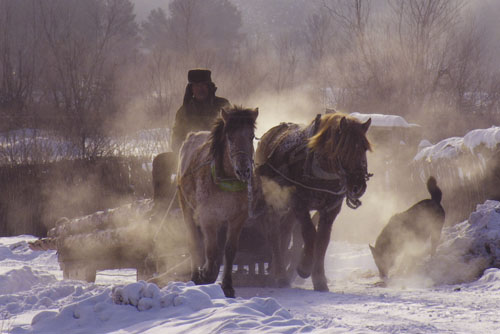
(338, 144)
(237, 118)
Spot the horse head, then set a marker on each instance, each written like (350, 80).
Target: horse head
(342, 145)
(353, 158)
(233, 136)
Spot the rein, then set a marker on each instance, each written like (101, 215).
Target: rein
(163, 219)
(336, 193)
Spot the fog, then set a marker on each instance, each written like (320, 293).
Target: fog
(439, 70)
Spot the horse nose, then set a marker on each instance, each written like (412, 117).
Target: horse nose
(358, 190)
(243, 174)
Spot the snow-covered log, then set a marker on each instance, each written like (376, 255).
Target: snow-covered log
(137, 235)
(102, 220)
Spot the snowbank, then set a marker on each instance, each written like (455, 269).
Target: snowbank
(447, 148)
(451, 147)
(469, 248)
(35, 299)
(177, 308)
(32, 292)
(384, 120)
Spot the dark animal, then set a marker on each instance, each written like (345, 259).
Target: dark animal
(215, 171)
(321, 164)
(403, 239)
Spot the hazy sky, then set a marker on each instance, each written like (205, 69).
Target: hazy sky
(270, 15)
(144, 7)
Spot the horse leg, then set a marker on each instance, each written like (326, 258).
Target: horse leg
(195, 241)
(210, 269)
(322, 241)
(233, 235)
(309, 235)
(278, 247)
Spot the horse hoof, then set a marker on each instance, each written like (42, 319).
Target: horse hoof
(195, 277)
(303, 273)
(321, 286)
(228, 292)
(207, 278)
(282, 283)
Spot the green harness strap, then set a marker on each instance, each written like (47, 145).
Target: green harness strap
(232, 185)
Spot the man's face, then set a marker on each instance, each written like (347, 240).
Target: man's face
(200, 91)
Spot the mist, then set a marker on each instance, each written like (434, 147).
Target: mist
(280, 56)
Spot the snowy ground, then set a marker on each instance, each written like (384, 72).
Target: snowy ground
(35, 299)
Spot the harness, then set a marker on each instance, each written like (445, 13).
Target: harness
(225, 184)
(311, 168)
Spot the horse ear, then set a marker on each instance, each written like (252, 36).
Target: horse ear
(224, 114)
(343, 124)
(255, 113)
(366, 125)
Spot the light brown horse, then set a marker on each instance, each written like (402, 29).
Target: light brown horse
(214, 173)
(320, 164)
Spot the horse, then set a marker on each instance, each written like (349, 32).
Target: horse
(319, 165)
(214, 181)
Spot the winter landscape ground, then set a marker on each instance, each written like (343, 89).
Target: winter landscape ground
(34, 298)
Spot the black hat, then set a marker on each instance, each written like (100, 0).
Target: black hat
(199, 75)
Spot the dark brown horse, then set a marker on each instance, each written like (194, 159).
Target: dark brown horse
(214, 174)
(320, 165)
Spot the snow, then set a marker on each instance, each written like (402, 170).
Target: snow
(446, 148)
(489, 137)
(384, 120)
(35, 299)
(471, 247)
(452, 147)
(19, 144)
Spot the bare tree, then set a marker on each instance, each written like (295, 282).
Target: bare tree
(425, 31)
(358, 66)
(155, 30)
(201, 28)
(318, 36)
(88, 42)
(22, 112)
(19, 64)
(162, 83)
(286, 62)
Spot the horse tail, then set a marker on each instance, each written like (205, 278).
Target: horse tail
(434, 190)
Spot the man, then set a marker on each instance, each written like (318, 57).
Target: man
(199, 109)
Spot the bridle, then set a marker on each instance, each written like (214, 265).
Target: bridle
(356, 174)
(346, 174)
(232, 157)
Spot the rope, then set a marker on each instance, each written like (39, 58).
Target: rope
(250, 198)
(340, 192)
(165, 215)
